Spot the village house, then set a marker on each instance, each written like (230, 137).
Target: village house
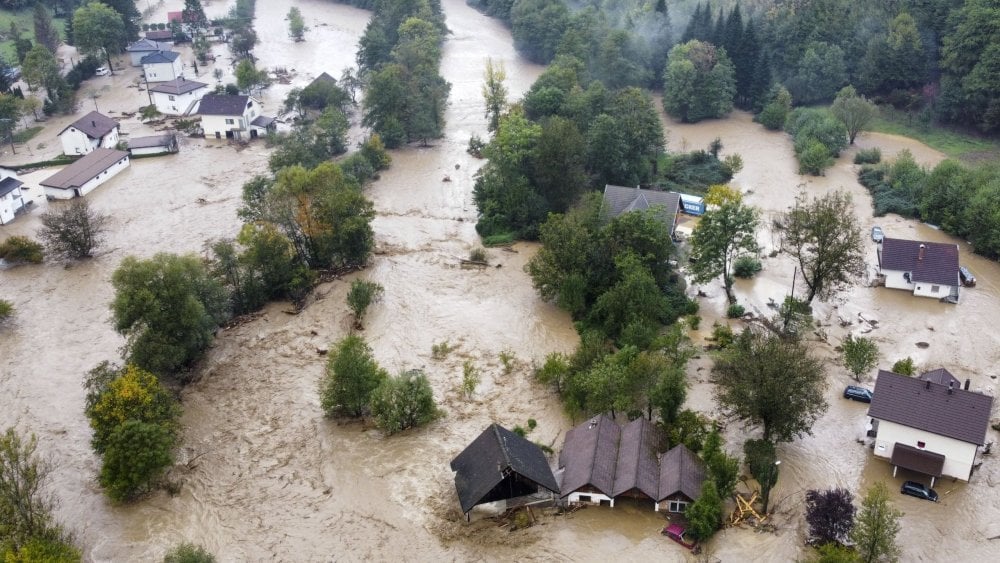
(681, 475)
(929, 424)
(928, 269)
(90, 132)
(178, 96)
(500, 465)
(163, 36)
(141, 48)
(162, 66)
(619, 199)
(154, 144)
(233, 117)
(83, 176)
(11, 200)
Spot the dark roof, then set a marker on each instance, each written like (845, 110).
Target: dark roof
(262, 121)
(914, 459)
(491, 460)
(619, 199)
(143, 45)
(941, 376)
(94, 125)
(590, 454)
(681, 471)
(84, 169)
(9, 184)
(152, 141)
(222, 104)
(939, 264)
(160, 35)
(177, 86)
(323, 77)
(160, 57)
(925, 405)
(637, 465)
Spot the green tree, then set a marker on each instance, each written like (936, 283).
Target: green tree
(668, 395)
(296, 25)
(558, 171)
(897, 60)
(762, 461)
(194, 14)
(778, 384)
(854, 111)
(876, 526)
(723, 468)
(115, 396)
(136, 455)
(45, 32)
(362, 294)
(167, 307)
(699, 82)
(249, 77)
(537, 27)
(860, 354)
(824, 237)
(494, 93)
(403, 402)
(188, 553)
(821, 72)
(778, 107)
(904, 367)
(704, 515)
(74, 231)
(21, 250)
(25, 507)
(723, 235)
(352, 375)
(970, 61)
(99, 30)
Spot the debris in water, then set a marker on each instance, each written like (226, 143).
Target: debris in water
(446, 178)
(923, 345)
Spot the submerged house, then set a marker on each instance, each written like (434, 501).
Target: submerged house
(233, 117)
(177, 97)
(91, 131)
(928, 269)
(929, 424)
(619, 199)
(85, 175)
(162, 66)
(11, 199)
(141, 48)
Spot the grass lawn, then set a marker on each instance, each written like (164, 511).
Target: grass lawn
(26, 23)
(951, 142)
(25, 135)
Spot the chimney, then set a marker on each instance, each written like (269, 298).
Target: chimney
(951, 384)
(927, 385)
(93, 123)
(923, 247)
(967, 381)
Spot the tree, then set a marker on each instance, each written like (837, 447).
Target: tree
(704, 515)
(99, 30)
(970, 61)
(188, 553)
(115, 396)
(669, 394)
(74, 231)
(825, 239)
(403, 402)
(720, 238)
(352, 375)
(494, 93)
(129, 16)
(362, 294)
(167, 307)
(821, 72)
(778, 107)
(242, 42)
(21, 250)
(699, 82)
(765, 380)
(136, 455)
(860, 354)
(723, 468)
(854, 111)
(248, 77)
(876, 526)
(762, 461)
(45, 32)
(25, 509)
(296, 26)
(830, 515)
(904, 367)
(40, 68)
(193, 14)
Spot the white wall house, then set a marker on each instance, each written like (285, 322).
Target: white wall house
(141, 48)
(177, 97)
(232, 117)
(90, 132)
(927, 269)
(154, 144)
(162, 66)
(85, 175)
(924, 425)
(11, 200)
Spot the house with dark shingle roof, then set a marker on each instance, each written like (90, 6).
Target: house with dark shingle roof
(500, 465)
(11, 200)
(681, 475)
(619, 199)
(91, 131)
(928, 269)
(232, 117)
(83, 176)
(588, 461)
(141, 48)
(177, 97)
(929, 424)
(160, 35)
(162, 66)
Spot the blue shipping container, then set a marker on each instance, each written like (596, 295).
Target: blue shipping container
(693, 205)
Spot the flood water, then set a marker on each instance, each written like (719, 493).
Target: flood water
(263, 476)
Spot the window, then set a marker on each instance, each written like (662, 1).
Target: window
(229, 122)
(921, 445)
(585, 498)
(677, 506)
(171, 98)
(935, 288)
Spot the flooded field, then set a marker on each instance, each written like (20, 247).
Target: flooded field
(264, 477)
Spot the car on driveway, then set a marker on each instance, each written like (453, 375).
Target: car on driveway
(877, 234)
(918, 490)
(102, 71)
(677, 533)
(856, 393)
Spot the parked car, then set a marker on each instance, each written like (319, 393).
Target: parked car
(13, 73)
(918, 490)
(856, 393)
(102, 71)
(677, 533)
(877, 234)
(968, 280)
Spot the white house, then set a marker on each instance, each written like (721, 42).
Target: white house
(155, 144)
(232, 117)
(929, 424)
(11, 201)
(141, 48)
(178, 96)
(84, 175)
(928, 269)
(91, 131)
(162, 66)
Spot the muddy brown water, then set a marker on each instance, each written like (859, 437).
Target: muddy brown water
(264, 477)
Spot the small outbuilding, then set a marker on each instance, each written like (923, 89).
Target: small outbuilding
(178, 96)
(500, 465)
(163, 36)
(141, 48)
(927, 269)
(11, 200)
(162, 66)
(92, 131)
(85, 175)
(155, 144)
(619, 199)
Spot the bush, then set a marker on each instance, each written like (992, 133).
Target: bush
(135, 456)
(21, 250)
(722, 335)
(115, 396)
(904, 367)
(735, 311)
(813, 157)
(361, 295)
(441, 350)
(746, 267)
(476, 146)
(404, 402)
(6, 310)
(693, 321)
(477, 255)
(352, 375)
(868, 156)
(188, 553)
(470, 378)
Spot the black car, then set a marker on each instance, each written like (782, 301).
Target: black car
(968, 280)
(858, 394)
(915, 489)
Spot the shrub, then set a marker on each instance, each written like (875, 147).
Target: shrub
(352, 375)
(746, 267)
(705, 514)
(402, 402)
(508, 359)
(6, 310)
(441, 350)
(868, 156)
(21, 250)
(554, 371)
(470, 378)
(135, 456)
(520, 431)
(477, 255)
(693, 321)
(813, 157)
(904, 367)
(499, 239)
(188, 553)
(722, 335)
(476, 146)
(361, 295)
(735, 311)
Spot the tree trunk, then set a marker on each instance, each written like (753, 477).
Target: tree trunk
(111, 68)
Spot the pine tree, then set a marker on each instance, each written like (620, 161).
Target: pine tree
(733, 36)
(692, 27)
(746, 61)
(718, 35)
(45, 33)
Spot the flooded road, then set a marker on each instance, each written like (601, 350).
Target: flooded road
(264, 477)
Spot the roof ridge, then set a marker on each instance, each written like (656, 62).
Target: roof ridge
(501, 443)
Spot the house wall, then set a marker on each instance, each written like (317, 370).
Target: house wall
(110, 140)
(76, 142)
(593, 496)
(135, 58)
(924, 289)
(10, 204)
(179, 104)
(216, 124)
(163, 72)
(959, 455)
(894, 280)
(665, 504)
(111, 172)
(149, 150)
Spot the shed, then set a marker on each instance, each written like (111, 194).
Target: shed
(84, 175)
(154, 144)
(160, 35)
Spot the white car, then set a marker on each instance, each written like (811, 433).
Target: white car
(102, 71)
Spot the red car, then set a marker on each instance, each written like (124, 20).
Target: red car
(677, 533)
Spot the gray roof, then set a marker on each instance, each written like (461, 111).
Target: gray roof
(925, 405)
(637, 465)
(681, 471)
(95, 125)
(499, 465)
(144, 45)
(940, 376)
(222, 104)
(177, 86)
(85, 169)
(590, 454)
(619, 199)
(938, 265)
(160, 35)
(262, 121)
(160, 57)
(152, 141)
(323, 77)
(9, 184)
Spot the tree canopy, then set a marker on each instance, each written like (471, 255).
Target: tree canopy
(99, 30)
(699, 82)
(723, 235)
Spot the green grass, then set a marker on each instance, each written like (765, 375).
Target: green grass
(25, 135)
(951, 142)
(26, 22)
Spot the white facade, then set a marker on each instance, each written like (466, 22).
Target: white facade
(162, 72)
(76, 142)
(582, 497)
(177, 104)
(90, 185)
(895, 279)
(10, 204)
(959, 456)
(231, 126)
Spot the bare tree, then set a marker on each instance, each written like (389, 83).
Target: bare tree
(74, 231)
